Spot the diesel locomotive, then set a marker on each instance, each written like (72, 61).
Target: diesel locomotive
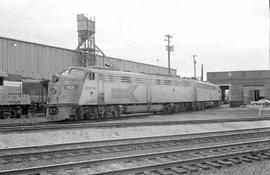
(91, 93)
(21, 97)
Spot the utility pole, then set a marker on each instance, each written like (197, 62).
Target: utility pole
(194, 61)
(202, 73)
(169, 48)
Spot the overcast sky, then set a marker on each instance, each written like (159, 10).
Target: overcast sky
(227, 35)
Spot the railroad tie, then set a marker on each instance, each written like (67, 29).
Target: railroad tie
(223, 162)
(263, 156)
(190, 168)
(140, 173)
(235, 160)
(46, 156)
(59, 155)
(166, 171)
(267, 153)
(71, 154)
(94, 151)
(253, 157)
(32, 158)
(16, 160)
(213, 164)
(179, 170)
(3, 161)
(202, 166)
(246, 159)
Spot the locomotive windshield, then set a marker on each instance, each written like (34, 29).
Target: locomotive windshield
(78, 73)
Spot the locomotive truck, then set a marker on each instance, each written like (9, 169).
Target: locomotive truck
(91, 93)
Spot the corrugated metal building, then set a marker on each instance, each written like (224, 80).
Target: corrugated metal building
(243, 86)
(34, 60)
(132, 66)
(42, 61)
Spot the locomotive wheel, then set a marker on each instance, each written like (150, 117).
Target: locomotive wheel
(167, 109)
(114, 113)
(93, 116)
(203, 106)
(94, 113)
(177, 108)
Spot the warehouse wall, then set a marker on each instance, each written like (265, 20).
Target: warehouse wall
(33, 60)
(241, 81)
(42, 61)
(133, 66)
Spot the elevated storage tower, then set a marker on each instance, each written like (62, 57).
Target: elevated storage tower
(86, 40)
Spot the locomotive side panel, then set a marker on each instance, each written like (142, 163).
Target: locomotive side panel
(203, 92)
(215, 93)
(208, 92)
(124, 88)
(125, 93)
(167, 94)
(89, 95)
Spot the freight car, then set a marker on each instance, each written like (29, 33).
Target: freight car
(93, 93)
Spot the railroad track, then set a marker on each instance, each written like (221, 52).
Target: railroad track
(252, 141)
(87, 124)
(176, 161)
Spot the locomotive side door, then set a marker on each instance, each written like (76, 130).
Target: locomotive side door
(148, 94)
(100, 88)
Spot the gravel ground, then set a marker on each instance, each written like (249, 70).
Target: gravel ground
(256, 168)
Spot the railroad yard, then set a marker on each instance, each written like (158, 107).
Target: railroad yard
(214, 141)
(187, 91)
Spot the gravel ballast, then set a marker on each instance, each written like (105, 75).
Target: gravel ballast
(256, 168)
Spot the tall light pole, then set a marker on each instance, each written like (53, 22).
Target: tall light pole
(169, 48)
(194, 61)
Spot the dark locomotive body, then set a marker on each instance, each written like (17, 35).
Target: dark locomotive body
(21, 97)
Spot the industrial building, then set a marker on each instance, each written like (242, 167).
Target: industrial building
(22, 59)
(38, 61)
(241, 87)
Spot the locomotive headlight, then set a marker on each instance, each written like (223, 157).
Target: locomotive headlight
(70, 87)
(55, 78)
(53, 90)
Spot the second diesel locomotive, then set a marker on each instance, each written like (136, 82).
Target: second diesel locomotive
(92, 93)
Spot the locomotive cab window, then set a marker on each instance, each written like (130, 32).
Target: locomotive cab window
(65, 72)
(91, 76)
(79, 73)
